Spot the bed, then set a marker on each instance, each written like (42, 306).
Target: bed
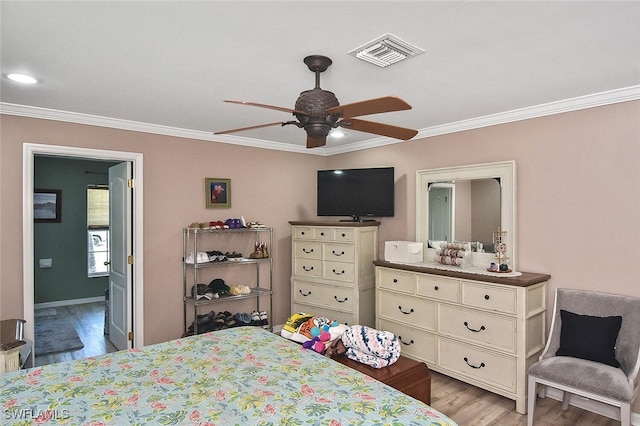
(236, 376)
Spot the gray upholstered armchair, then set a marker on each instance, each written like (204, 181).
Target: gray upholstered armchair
(593, 350)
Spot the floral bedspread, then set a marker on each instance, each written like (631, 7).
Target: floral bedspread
(237, 376)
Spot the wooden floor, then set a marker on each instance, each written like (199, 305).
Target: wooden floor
(88, 320)
(472, 406)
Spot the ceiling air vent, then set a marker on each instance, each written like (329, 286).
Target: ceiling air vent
(386, 50)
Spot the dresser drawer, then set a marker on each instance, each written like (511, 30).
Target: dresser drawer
(338, 252)
(308, 267)
(347, 318)
(439, 288)
(414, 343)
(487, 367)
(407, 309)
(307, 250)
(303, 233)
(483, 328)
(339, 271)
(343, 234)
(396, 280)
(492, 297)
(324, 234)
(333, 297)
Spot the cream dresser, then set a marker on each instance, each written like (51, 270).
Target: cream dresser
(333, 271)
(483, 330)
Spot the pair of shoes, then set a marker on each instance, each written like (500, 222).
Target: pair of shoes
(201, 257)
(243, 318)
(255, 224)
(202, 319)
(237, 290)
(216, 256)
(261, 251)
(233, 255)
(259, 318)
(218, 225)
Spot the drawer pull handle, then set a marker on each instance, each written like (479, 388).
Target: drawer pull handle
(404, 312)
(404, 343)
(344, 235)
(322, 234)
(305, 295)
(486, 297)
(307, 268)
(302, 233)
(307, 251)
(340, 301)
(466, 324)
(337, 254)
(473, 366)
(337, 272)
(395, 280)
(436, 288)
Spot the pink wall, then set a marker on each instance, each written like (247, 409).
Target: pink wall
(578, 185)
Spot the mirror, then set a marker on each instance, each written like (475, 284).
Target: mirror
(465, 210)
(467, 203)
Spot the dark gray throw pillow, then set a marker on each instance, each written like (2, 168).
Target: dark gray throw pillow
(589, 337)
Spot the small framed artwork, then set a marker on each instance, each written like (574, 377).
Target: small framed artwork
(47, 205)
(217, 192)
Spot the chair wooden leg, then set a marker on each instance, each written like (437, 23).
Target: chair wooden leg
(531, 403)
(625, 414)
(566, 398)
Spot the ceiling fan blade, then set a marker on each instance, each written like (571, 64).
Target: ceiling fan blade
(279, 123)
(315, 142)
(371, 106)
(378, 128)
(277, 108)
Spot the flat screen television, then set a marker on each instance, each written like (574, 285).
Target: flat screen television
(357, 193)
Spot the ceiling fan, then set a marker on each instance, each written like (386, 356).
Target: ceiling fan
(318, 111)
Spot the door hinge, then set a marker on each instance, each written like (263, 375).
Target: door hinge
(130, 336)
(130, 183)
(130, 259)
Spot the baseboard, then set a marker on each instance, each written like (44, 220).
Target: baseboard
(69, 302)
(277, 328)
(593, 406)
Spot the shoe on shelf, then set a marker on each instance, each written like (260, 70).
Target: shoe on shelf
(264, 319)
(255, 318)
(201, 257)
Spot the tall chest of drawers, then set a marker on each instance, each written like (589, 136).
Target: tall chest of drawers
(332, 270)
(480, 329)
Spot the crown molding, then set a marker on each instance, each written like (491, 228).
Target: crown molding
(582, 102)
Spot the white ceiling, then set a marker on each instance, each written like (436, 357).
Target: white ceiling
(172, 63)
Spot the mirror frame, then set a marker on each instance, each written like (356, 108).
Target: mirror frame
(505, 170)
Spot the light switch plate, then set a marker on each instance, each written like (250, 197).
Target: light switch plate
(46, 263)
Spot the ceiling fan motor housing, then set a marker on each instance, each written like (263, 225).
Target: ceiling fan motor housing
(315, 103)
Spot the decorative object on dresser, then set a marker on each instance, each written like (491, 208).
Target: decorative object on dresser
(332, 270)
(208, 244)
(482, 329)
(593, 351)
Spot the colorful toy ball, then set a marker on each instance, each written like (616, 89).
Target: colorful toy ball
(315, 332)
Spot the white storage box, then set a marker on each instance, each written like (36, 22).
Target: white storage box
(403, 252)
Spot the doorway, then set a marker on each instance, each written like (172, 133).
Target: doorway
(135, 159)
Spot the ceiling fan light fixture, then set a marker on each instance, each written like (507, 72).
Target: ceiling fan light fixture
(386, 50)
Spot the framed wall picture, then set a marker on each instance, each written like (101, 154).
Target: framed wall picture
(47, 205)
(217, 192)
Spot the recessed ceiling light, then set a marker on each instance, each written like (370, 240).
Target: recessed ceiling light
(22, 78)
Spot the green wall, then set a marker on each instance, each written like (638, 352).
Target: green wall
(66, 242)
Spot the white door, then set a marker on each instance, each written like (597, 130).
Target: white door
(120, 271)
(440, 213)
